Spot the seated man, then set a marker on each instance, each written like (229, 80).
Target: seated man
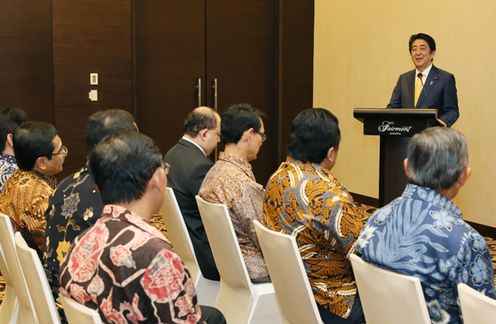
(305, 200)
(189, 164)
(122, 266)
(10, 118)
(231, 182)
(76, 203)
(422, 233)
(40, 155)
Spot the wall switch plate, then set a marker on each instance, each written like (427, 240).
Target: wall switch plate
(93, 78)
(93, 95)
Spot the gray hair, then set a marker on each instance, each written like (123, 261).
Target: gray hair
(437, 156)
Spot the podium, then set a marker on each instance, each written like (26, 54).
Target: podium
(395, 126)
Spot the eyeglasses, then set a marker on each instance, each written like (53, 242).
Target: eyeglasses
(166, 166)
(264, 135)
(63, 151)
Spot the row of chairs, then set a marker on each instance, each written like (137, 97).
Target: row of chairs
(27, 294)
(239, 299)
(287, 299)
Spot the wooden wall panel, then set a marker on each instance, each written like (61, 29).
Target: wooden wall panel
(89, 36)
(26, 79)
(295, 64)
(169, 59)
(241, 54)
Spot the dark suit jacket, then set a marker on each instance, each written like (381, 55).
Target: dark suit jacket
(439, 92)
(188, 167)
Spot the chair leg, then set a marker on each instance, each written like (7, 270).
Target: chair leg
(9, 310)
(237, 307)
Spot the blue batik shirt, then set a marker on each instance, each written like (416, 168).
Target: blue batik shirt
(422, 234)
(8, 165)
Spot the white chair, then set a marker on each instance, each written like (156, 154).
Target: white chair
(37, 282)
(476, 307)
(10, 306)
(388, 297)
(207, 290)
(15, 278)
(77, 313)
(239, 300)
(288, 276)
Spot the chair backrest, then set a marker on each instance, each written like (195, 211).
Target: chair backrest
(476, 307)
(14, 272)
(38, 286)
(224, 244)
(288, 276)
(178, 233)
(79, 314)
(389, 297)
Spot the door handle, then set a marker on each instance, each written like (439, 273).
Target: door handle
(199, 91)
(215, 86)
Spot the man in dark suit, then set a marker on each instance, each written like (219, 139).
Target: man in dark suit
(427, 86)
(189, 163)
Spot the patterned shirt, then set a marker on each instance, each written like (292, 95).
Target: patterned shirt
(8, 165)
(75, 206)
(422, 234)
(25, 199)
(124, 268)
(231, 182)
(308, 202)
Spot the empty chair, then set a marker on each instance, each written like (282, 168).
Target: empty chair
(288, 276)
(14, 277)
(77, 313)
(476, 307)
(178, 233)
(388, 297)
(239, 300)
(38, 286)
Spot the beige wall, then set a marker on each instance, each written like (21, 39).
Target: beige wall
(361, 47)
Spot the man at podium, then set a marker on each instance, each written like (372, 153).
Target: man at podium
(426, 86)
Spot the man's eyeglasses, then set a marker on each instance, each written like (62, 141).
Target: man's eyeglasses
(166, 166)
(63, 151)
(264, 135)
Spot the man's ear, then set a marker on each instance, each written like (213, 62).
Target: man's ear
(40, 164)
(406, 168)
(203, 133)
(467, 171)
(332, 154)
(158, 181)
(10, 140)
(247, 134)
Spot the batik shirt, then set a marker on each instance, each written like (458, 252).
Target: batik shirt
(231, 182)
(308, 202)
(75, 206)
(124, 268)
(24, 199)
(422, 234)
(8, 165)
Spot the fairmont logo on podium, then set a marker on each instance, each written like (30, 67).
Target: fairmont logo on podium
(388, 126)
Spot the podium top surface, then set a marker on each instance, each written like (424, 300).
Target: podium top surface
(396, 113)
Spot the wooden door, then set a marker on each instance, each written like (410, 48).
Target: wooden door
(169, 60)
(240, 54)
(26, 77)
(89, 36)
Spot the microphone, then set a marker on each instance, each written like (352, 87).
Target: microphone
(420, 75)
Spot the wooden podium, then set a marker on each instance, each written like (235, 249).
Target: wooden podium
(395, 126)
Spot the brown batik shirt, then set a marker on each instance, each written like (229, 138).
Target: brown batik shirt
(231, 182)
(308, 202)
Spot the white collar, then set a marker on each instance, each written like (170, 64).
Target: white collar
(425, 73)
(192, 142)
